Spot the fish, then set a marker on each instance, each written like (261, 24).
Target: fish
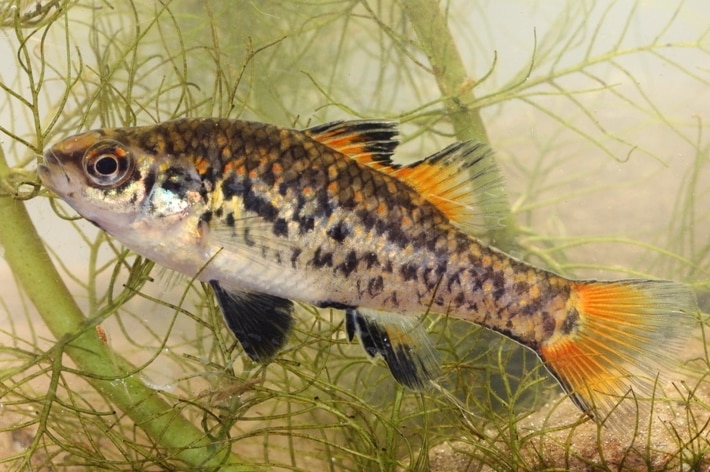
(270, 216)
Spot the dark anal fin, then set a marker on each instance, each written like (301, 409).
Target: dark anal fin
(260, 322)
(400, 341)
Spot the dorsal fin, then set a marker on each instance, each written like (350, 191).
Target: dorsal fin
(366, 141)
(460, 180)
(456, 179)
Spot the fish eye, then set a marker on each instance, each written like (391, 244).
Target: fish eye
(108, 163)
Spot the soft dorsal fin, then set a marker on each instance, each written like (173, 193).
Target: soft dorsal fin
(399, 340)
(460, 180)
(366, 141)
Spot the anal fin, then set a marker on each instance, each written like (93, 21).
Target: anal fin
(400, 341)
(260, 322)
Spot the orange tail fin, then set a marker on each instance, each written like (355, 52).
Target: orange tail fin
(627, 332)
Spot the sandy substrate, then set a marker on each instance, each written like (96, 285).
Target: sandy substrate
(664, 440)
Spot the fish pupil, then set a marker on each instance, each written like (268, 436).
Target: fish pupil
(106, 165)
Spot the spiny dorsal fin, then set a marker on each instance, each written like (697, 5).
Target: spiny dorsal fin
(260, 322)
(366, 141)
(399, 340)
(460, 180)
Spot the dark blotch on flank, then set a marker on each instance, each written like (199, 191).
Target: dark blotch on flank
(306, 224)
(339, 232)
(548, 324)
(367, 218)
(571, 322)
(371, 260)
(409, 272)
(322, 259)
(206, 216)
(375, 286)
(260, 205)
(396, 235)
(233, 186)
(280, 227)
(294, 256)
(349, 265)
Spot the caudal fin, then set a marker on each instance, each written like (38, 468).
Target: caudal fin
(626, 334)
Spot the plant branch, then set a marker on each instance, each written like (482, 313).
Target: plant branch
(456, 88)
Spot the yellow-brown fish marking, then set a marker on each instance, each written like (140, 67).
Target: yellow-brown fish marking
(327, 205)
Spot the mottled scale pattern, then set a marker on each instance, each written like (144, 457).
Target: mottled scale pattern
(374, 239)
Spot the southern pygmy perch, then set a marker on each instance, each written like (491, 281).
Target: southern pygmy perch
(269, 215)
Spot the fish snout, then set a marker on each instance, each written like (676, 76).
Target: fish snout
(53, 174)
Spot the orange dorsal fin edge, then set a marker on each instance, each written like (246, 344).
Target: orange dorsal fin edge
(459, 180)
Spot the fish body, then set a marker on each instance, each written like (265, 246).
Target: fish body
(270, 215)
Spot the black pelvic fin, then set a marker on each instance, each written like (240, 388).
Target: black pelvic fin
(260, 322)
(400, 341)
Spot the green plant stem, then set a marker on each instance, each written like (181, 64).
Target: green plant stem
(105, 370)
(448, 68)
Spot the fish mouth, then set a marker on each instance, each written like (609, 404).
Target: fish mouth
(44, 170)
(51, 159)
(53, 174)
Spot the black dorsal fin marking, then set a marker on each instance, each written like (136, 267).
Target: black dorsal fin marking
(399, 340)
(366, 141)
(260, 322)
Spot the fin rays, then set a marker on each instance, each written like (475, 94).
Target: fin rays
(247, 229)
(366, 141)
(627, 335)
(260, 322)
(405, 346)
(459, 180)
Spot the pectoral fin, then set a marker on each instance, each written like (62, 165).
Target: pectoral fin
(260, 322)
(400, 341)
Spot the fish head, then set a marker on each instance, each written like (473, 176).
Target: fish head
(112, 180)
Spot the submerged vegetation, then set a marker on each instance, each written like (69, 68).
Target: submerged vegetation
(595, 110)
